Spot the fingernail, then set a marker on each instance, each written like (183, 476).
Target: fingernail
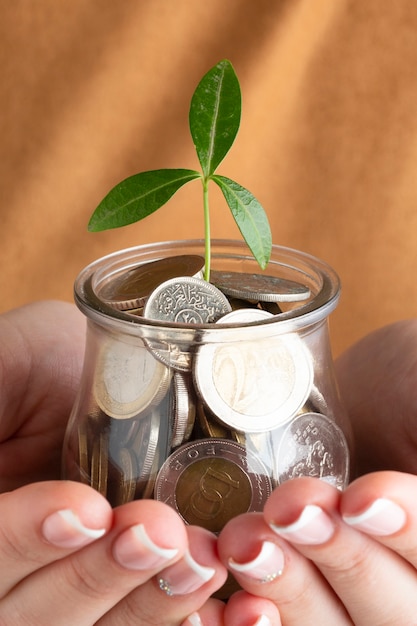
(313, 527)
(193, 620)
(383, 517)
(265, 567)
(185, 576)
(263, 621)
(65, 530)
(134, 549)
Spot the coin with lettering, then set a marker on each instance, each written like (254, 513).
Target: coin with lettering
(313, 445)
(212, 480)
(259, 287)
(128, 379)
(254, 386)
(131, 289)
(187, 300)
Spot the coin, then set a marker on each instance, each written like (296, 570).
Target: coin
(254, 386)
(99, 464)
(212, 480)
(259, 287)
(128, 379)
(187, 300)
(183, 409)
(84, 466)
(211, 427)
(122, 477)
(313, 445)
(131, 289)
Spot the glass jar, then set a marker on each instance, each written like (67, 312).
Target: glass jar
(207, 417)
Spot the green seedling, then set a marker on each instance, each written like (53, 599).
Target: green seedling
(214, 121)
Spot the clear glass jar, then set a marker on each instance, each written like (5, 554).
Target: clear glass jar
(208, 418)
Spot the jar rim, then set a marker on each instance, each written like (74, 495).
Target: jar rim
(321, 276)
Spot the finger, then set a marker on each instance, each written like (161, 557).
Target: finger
(253, 610)
(210, 614)
(304, 512)
(268, 567)
(44, 522)
(384, 506)
(178, 590)
(82, 587)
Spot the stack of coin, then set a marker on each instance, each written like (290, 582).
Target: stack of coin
(212, 430)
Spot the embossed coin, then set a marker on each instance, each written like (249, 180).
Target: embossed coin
(254, 386)
(212, 480)
(187, 300)
(259, 287)
(313, 445)
(131, 289)
(129, 379)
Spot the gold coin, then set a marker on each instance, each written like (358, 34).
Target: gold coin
(211, 427)
(83, 453)
(212, 480)
(99, 464)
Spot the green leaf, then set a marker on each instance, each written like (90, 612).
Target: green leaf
(138, 196)
(250, 217)
(215, 115)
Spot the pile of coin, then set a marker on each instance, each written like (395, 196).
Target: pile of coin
(211, 430)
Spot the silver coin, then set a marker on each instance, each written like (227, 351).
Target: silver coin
(130, 289)
(146, 442)
(212, 480)
(254, 386)
(313, 445)
(128, 379)
(184, 409)
(259, 287)
(244, 316)
(187, 300)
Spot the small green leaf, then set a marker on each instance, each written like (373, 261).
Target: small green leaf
(215, 115)
(138, 196)
(250, 217)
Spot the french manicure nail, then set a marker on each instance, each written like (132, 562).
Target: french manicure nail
(383, 517)
(134, 549)
(313, 527)
(65, 530)
(265, 567)
(193, 620)
(263, 621)
(184, 576)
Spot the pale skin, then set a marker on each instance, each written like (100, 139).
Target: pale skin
(344, 562)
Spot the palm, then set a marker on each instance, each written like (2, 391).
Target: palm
(40, 364)
(377, 379)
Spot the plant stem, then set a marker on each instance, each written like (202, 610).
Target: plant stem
(207, 260)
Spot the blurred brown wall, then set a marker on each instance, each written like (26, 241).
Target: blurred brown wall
(92, 92)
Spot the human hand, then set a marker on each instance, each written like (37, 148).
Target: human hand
(52, 572)
(41, 355)
(377, 380)
(67, 558)
(327, 557)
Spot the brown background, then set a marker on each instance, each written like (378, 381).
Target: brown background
(93, 91)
